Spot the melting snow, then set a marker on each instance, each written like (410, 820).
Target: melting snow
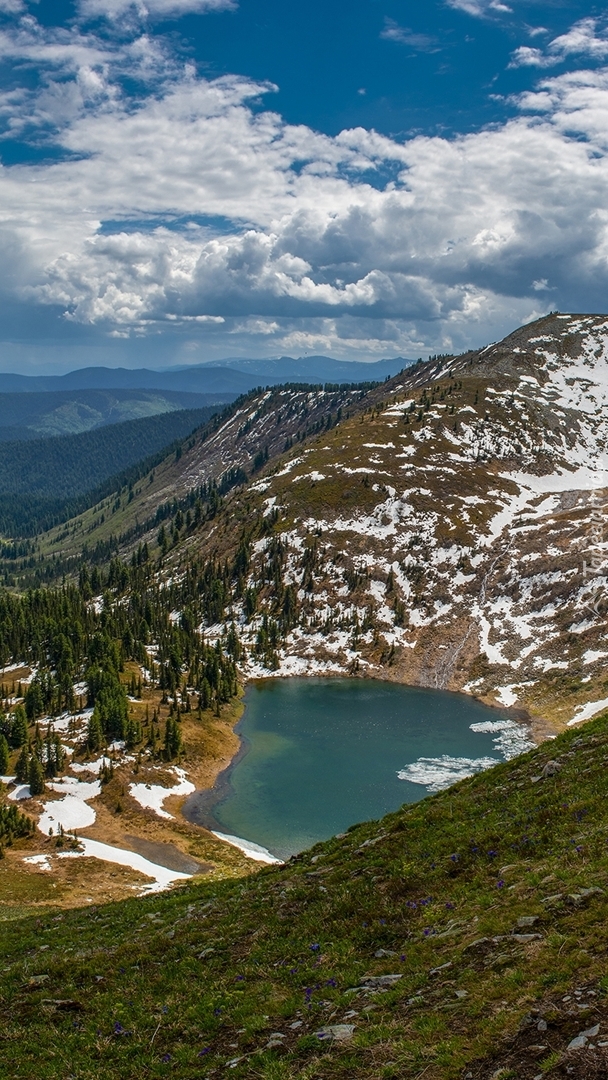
(162, 877)
(152, 796)
(253, 851)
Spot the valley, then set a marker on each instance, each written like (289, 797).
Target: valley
(439, 533)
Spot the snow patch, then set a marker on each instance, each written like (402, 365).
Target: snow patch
(152, 796)
(162, 877)
(585, 712)
(253, 851)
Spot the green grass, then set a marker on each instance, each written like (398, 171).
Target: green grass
(128, 991)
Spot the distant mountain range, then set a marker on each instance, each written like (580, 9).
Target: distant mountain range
(227, 377)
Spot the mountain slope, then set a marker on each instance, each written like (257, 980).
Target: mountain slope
(43, 478)
(434, 531)
(464, 936)
(70, 412)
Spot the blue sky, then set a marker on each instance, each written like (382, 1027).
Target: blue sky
(189, 179)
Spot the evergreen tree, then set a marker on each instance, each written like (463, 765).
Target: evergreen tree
(95, 739)
(36, 777)
(22, 768)
(18, 735)
(4, 759)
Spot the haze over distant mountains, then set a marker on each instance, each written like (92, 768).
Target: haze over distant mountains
(231, 376)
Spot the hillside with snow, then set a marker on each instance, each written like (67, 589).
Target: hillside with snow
(449, 535)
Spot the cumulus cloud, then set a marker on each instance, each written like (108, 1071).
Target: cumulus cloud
(582, 39)
(193, 208)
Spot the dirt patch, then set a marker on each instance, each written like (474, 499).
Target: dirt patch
(164, 854)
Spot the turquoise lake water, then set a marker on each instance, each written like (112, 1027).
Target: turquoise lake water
(323, 754)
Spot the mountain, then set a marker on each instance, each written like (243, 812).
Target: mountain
(318, 368)
(69, 412)
(211, 380)
(226, 377)
(464, 936)
(433, 530)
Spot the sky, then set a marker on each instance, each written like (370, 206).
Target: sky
(187, 180)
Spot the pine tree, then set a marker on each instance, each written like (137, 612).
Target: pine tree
(22, 768)
(95, 738)
(36, 777)
(4, 758)
(18, 735)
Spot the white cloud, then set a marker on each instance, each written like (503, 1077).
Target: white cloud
(581, 40)
(404, 36)
(479, 8)
(192, 208)
(117, 9)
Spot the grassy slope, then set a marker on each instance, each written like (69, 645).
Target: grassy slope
(127, 990)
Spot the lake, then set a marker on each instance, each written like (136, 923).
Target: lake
(320, 755)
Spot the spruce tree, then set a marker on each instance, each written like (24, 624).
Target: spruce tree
(95, 738)
(4, 759)
(36, 777)
(22, 768)
(18, 735)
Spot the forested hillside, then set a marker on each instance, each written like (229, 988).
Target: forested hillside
(41, 415)
(46, 480)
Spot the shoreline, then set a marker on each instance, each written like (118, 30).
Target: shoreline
(197, 808)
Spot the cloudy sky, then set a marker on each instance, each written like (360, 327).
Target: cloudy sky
(184, 180)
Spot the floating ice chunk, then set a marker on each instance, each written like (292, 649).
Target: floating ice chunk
(436, 774)
(511, 738)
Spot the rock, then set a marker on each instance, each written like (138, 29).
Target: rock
(523, 939)
(380, 980)
(478, 944)
(37, 980)
(527, 920)
(382, 954)
(557, 898)
(542, 1025)
(336, 1033)
(275, 1040)
(296, 1024)
(461, 993)
(581, 1040)
(551, 768)
(442, 967)
(63, 1005)
(205, 954)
